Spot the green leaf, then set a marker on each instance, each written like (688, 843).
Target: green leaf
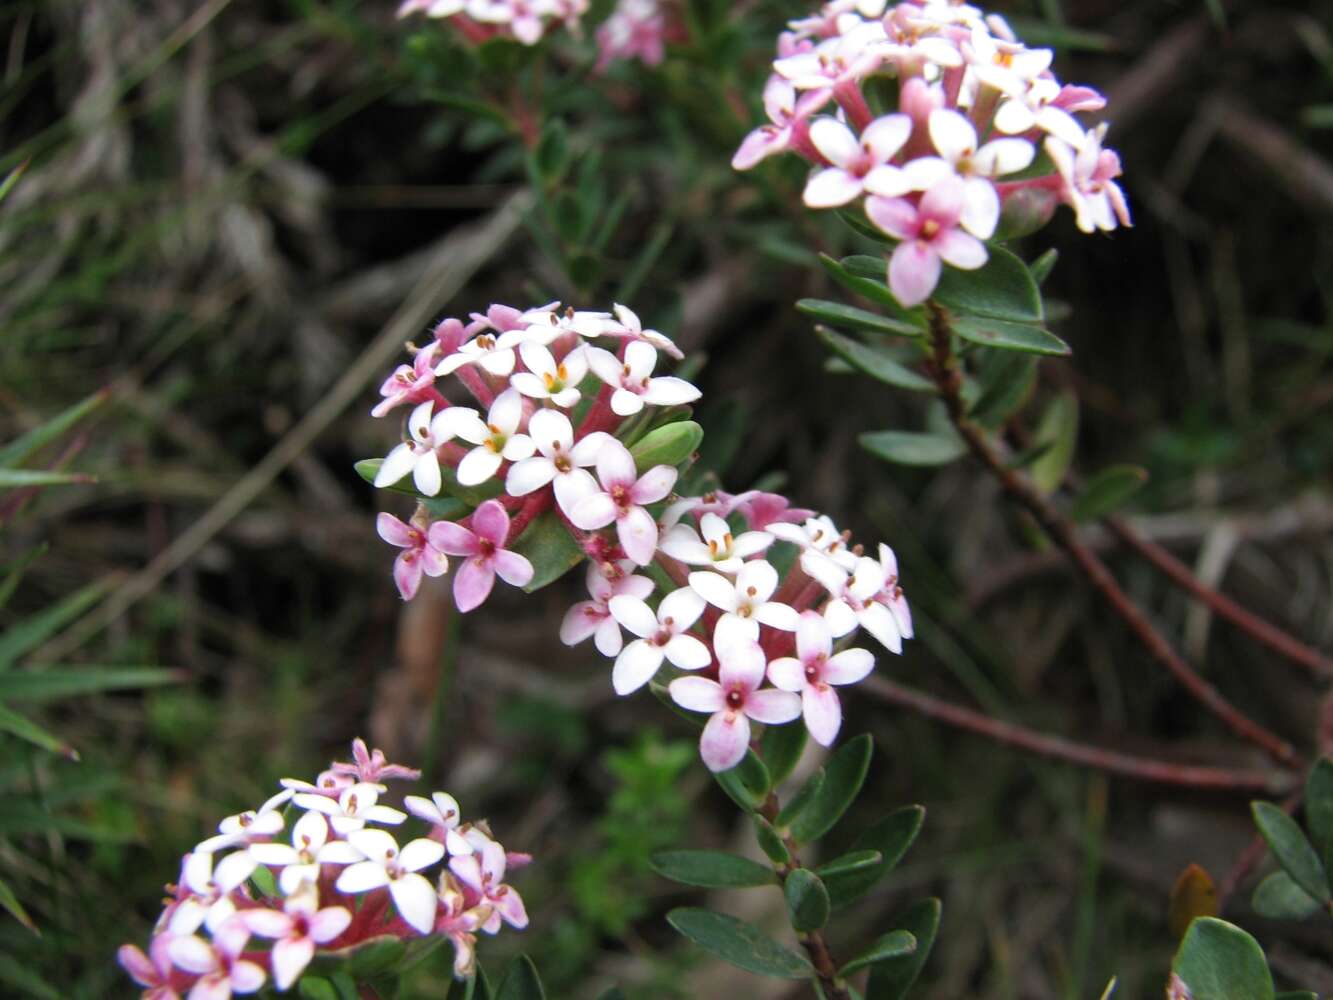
(25, 729)
(1219, 961)
(711, 869)
(21, 448)
(873, 362)
(780, 748)
(521, 982)
(45, 685)
(853, 861)
(913, 448)
(376, 957)
(16, 570)
(1279, 898)
(14, 478)
(1059, 429)
(747, 783)
(552, 157)
(770, 841)
(1107, 491)
(11, 903)
(892, 978)
(891, 837)
(799, 802)
(550, 548)
(739, 944)
(27, 983)
(31, 632)
(863, 227)
(1042, 267)
(614, 993)
(807, 900)
(668, 445)
(844, 774)
(1319, 805)
(1292, 851)
(895, 944)
(1002, 289)
(12, 179)
(837, 314)
(316, 988)
(1297, 995)
(1008, 336)
(1006, 379)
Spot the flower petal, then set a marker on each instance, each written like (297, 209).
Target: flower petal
(914, 271)
(637, 532)
(634, 614)
(724, 739)
(688, 653)
(473, 582)
(635, 666)
(823, 713)
(416, 901)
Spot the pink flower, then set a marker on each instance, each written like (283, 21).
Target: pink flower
(629, 327)
(734, 699)
(762, 509)
(812, 672)
(152, 972)
(460, 924)
(593, 618)
(296, 931)
(622, 498)
(930, 235)
(220, 968)
(414, 383)
(483, 872)
(891, 593)
(373, 766)
(418, 555)
(787, 128)
(487, 556)
(855, 161)
(635, 29)
(854, 598)
(1088, 184)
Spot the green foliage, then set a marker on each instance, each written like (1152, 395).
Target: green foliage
(914, 448)
(807, 900)
(890, 838)
(780, 749)
(739, 943)
(521, 982)
(837, 314)
(550, 548)
(875, 362)
(1009, 336)
(1002, 289)
(711, 869)
(844, 774)
(892, 977)
(893, 945)
(1219, 961)
(747, 783)
(1291, 849)
(1108, 491)
(671, 444)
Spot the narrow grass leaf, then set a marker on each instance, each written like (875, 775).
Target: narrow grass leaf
(1292, 851)
(892, 978)
(11, 903)
(1059, 429)
(28, 634)
(711, 869)
(739, 944)
(895, 944)
(16, 570)
(21, 448)
(46, 685)
(845, 773)
(12, 479)
(27, 983)
(25, 729)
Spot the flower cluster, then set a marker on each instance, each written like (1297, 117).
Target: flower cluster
(740, 596)
(980, 130)
(315, 869)
(636, 29)
(524, 20)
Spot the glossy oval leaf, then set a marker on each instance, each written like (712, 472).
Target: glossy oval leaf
(550, 548)
(1219, 961)
(873, 362)
(1292, 851)
(667, 445)
(895, 944)
(850, 317)
(1319, 806)
(770, 841)
(780, 748)
(1009, 336)
(804, 796)
(892, 978)
(844, 774)
(739, 944)
(1279, 898)
(807, 900)
(747, 783)
(1107, 491)
(891, 838)
(521, 982)
(913, 448)
(711, 869)
(1001, 289)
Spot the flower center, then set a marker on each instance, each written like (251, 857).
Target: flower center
(486, 548)
(735, 699)
(486, 342)
(620, 495)
(929, 229)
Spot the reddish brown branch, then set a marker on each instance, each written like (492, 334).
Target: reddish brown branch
(945, 372)
(1140, 768)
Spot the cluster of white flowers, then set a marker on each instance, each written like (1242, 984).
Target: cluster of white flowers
(557, 407)
(316, 869)
(975, 112)
(525, 20)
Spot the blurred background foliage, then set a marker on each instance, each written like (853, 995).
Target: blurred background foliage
(226, 202)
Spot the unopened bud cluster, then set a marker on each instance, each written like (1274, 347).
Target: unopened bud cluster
(738, 599)
(319, 869)
(976, 136)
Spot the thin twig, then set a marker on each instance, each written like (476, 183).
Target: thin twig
(457, 262)
(944, 370)
(1059, 748)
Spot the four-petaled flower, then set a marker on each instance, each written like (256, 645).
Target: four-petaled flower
(296, 930)
(633, 382)
(388, 865)
(310, 848)
(558, 460)
(930, 235)
(548, 379)
(497, 438)
(593, 618)
(812, 672)
(441, 812)
(854, 598)
(717, 548)
(857, 164)
(733, 699)
(373, 766)
(419, 454)
(418, 555)
(414, 383)
(219, 965)
(745, 601)
(622, 498)
(483, 545)
(153, 970)
(661, 635)
(483, 872)
(355, 806)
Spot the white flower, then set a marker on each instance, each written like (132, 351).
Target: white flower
(497, 438)
(492, 353)
(1008, 67)
(249, 826)
(630, 328)
(310, 847)
(812, 672)
(418, 455)
(717, 548)
(1033, 109)
(661, 636)
(853, 598)
(209, 903)
(387, 865)
(441, 811)
(818, 533)
(221, 970)
(545, 379)
(353, 808)
(559, 460)
(857, 164)
(1088, 181)
(745, 601)
(549, 323)
(633, 382)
